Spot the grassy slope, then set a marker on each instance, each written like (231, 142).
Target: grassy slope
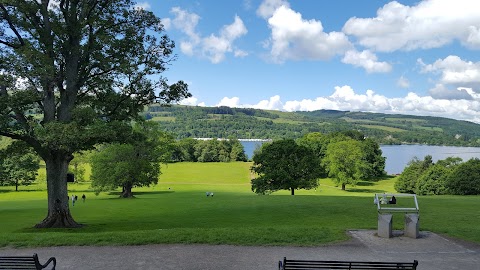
(177, 211)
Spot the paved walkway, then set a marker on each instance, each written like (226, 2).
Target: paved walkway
(433, 252)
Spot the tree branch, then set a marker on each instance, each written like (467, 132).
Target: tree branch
(13, 28)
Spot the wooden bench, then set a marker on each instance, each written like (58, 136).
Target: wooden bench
(25, 262)
(304, 264)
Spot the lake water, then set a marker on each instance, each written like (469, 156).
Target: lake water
(398, 156)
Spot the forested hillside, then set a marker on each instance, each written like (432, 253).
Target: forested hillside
(242, 123)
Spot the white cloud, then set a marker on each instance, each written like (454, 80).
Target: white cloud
(215, 46)
(240, 53)
(440, 91)
(268, 7)
(429, 24)
(273, 103)
(294, 38)
(344, 98)
(229, 102)
(367, 60)
(403, 82)
(191, 101)
(186, 22)
(454, 71)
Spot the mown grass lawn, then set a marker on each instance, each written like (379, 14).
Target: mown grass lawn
(177, 210)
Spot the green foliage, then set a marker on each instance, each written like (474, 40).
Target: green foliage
(18, 164)
(407, 181)
(432, 181)
(78, 166)
(373, 157)
(214, 150)
(285, 165)
(449, 176)
(318, 143)
(345, 162)
(131, 165)
(465, 178)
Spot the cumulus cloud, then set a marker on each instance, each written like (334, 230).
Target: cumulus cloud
(440, 91)
(344, 98)
(274, 103)
(429, 24)
(294, 38)
(192, 101)
(214, 46)
(367, 60)
(233, 102)
(403, 82)
(454, 71)
(268, 7)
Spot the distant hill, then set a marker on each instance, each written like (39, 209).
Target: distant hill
(243, 123)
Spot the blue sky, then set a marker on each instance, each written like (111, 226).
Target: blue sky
(406, 57)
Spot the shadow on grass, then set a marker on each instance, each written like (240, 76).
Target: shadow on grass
(118, 193)
(364, 190)
(20, 190)
(365, 184)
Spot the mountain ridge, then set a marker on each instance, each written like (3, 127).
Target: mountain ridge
(247, 123)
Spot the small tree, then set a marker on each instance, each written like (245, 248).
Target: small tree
(18, 165)
(285, 165)
(407, 181)
(77, 166)
(131, 165)
(465, 178)
(345, 162)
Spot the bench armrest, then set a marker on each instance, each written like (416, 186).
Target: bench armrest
(52, 259)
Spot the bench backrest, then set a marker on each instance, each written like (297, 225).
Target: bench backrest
(24, 262)
(304, 264)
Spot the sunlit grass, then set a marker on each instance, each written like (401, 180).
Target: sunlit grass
(177, 210)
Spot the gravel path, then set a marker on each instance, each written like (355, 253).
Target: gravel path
(433, 252)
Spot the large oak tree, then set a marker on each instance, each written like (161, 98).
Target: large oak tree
(285, 165)
(73, 73)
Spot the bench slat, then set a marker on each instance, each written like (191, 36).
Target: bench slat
(25, 262)
(361, 265)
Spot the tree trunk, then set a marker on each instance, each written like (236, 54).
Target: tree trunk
(58, 211)
(127, 191)
(16, 185)
(343, 186)
(292, 191)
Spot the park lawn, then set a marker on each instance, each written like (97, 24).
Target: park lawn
(177, 210)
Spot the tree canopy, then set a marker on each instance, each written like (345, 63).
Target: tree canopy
(465, 178)
(73, 74)
(345, 162)
(133, 164)
(448, 176)
(18, 165)
(285, 165)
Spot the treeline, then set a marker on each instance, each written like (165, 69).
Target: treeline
(224, 122)
(204, 111)
(213, 150)
(449, 176)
